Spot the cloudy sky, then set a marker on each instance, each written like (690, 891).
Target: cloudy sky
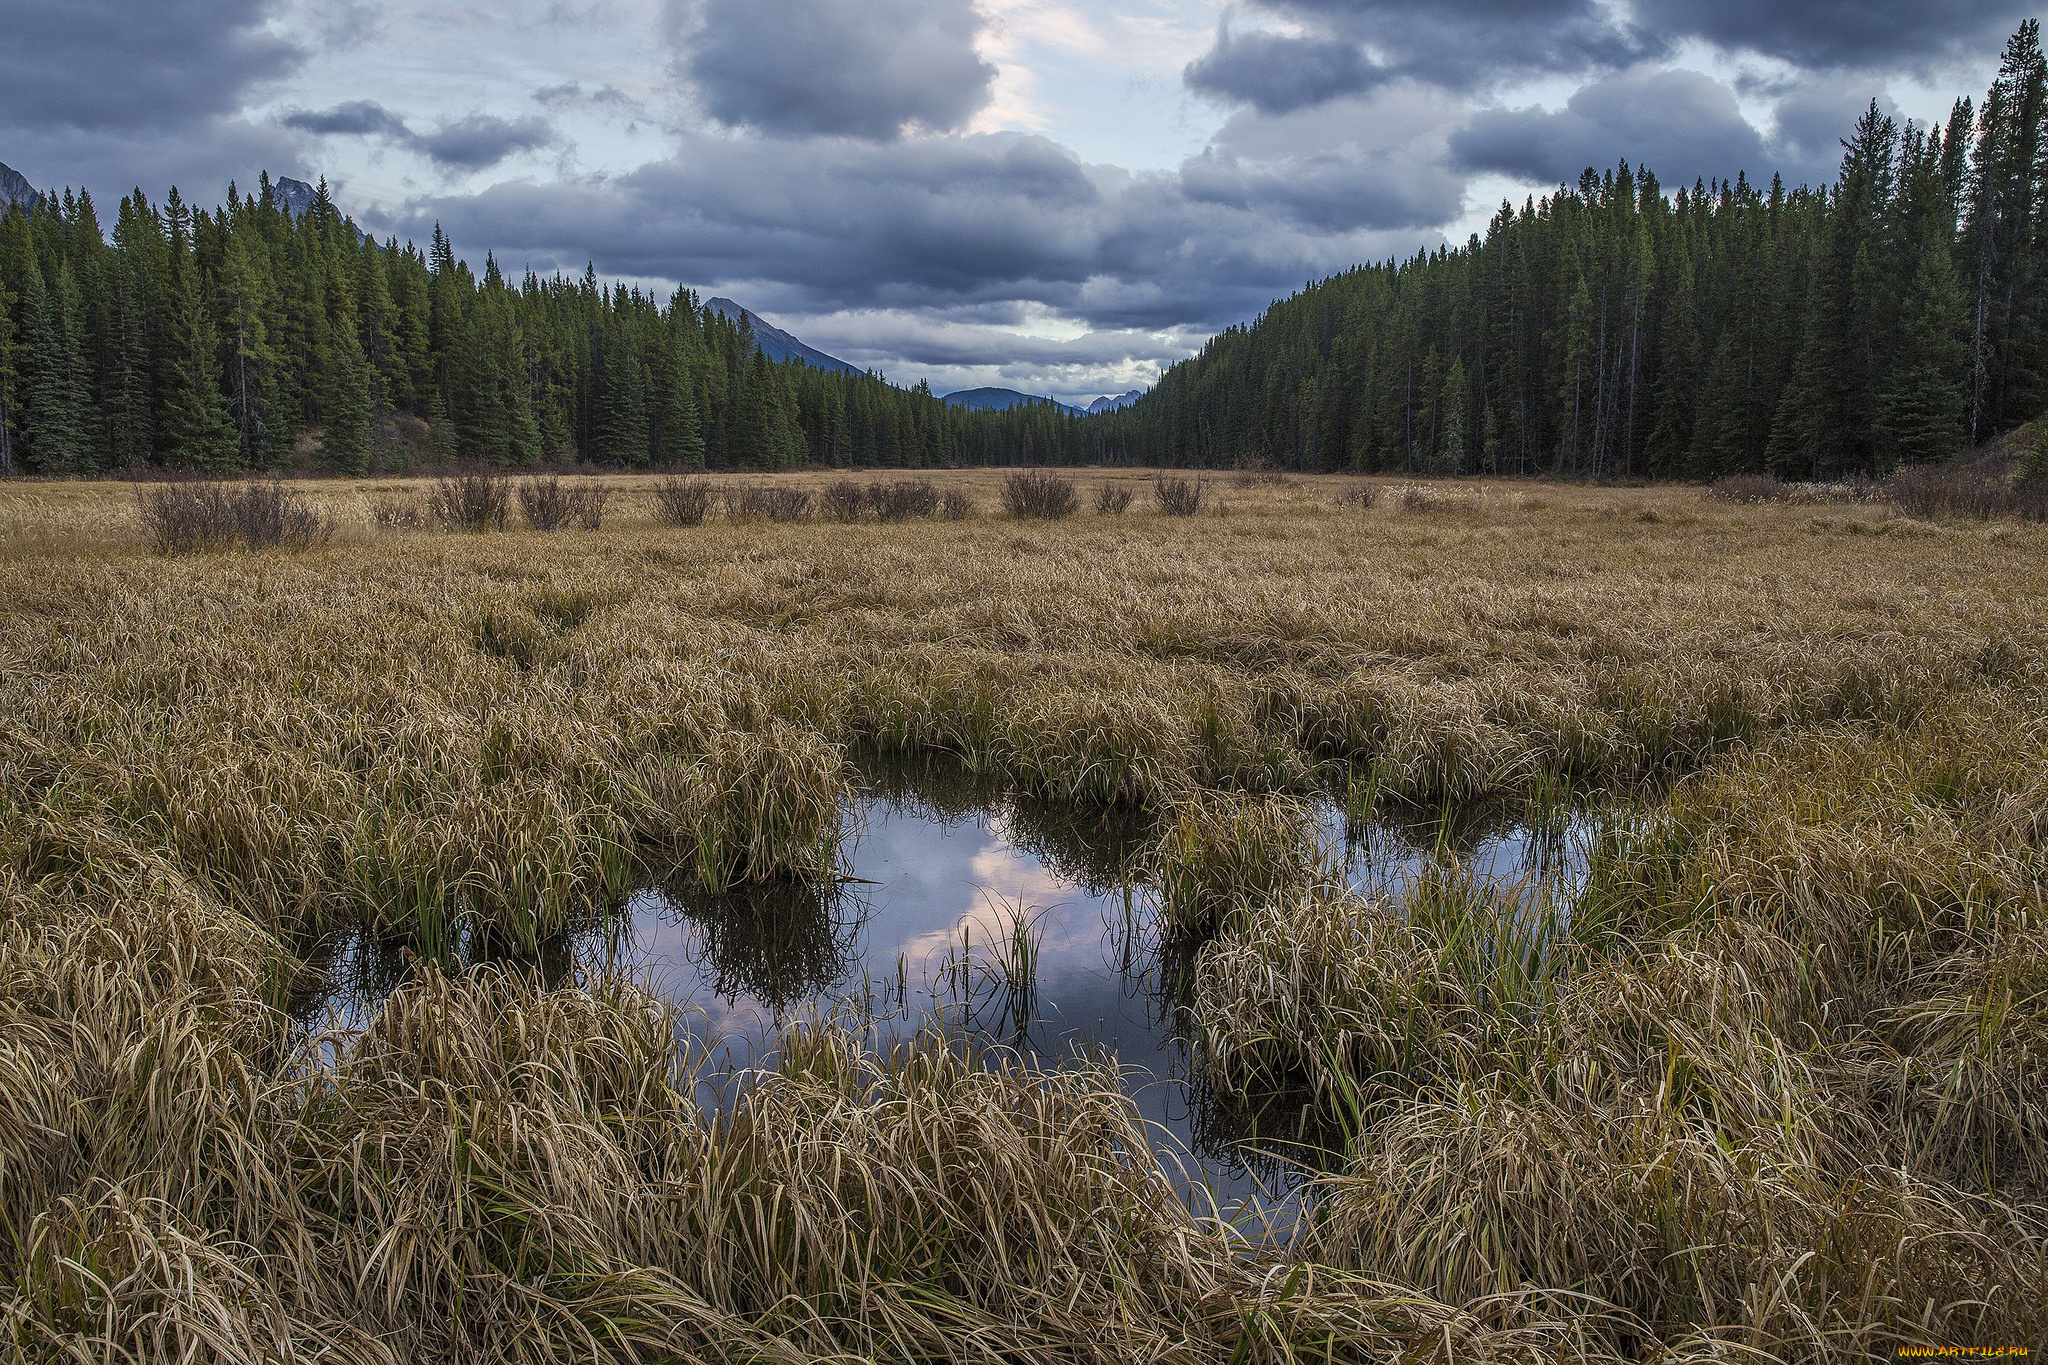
(1051, 196)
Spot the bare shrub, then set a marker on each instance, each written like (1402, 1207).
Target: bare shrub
(478, 498)
(1975, 492)
(1359, 497)
(1040, 493)
(548, 504)
(1257, 477)
(398, 511)
(903, 499)
(955, 505)
(843, 500)
(272, 515)
(187, 516)
(544, 502)
(1178, 496)
(1112, 499)
(770, 502)
(592, 501)
(682, 502)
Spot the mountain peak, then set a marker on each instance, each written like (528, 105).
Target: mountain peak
(15, 189)
(1122, 400)
(775, 343)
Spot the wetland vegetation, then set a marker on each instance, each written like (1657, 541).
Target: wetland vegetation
(1759, 1076)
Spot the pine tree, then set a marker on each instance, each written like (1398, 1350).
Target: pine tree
(345, 446)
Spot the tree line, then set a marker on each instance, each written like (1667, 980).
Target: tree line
(1612, 329)
(1609, 329)
(253, 338)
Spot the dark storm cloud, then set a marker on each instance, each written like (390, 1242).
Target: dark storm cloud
(111, 94)
(869, 70)
(921, 223)
(115, 64)
(1825, 34)
(483, 140)
(474, 143)
(1350, 46)
(361, 117)
(1681, 124)
(1278, 74)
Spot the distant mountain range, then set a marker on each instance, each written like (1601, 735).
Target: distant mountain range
(1000, 399)
(777, 344)
(15, 189)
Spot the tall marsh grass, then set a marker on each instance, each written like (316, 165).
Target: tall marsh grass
(1768, 1088)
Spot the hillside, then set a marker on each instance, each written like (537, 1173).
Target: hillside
(1002, 400)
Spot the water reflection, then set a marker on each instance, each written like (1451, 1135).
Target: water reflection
(1019, 921)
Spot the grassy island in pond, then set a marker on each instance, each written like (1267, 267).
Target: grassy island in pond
(1768, 1085)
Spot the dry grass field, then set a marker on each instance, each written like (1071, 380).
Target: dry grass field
(1771, 1088)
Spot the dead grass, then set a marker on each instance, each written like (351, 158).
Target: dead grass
(1772, 1090)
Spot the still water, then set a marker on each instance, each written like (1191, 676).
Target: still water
(997, 917)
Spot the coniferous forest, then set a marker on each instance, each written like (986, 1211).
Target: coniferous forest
(1612, 329)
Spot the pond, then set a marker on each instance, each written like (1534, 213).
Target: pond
(997, 917)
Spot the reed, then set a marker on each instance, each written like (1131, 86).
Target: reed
(1224, 854)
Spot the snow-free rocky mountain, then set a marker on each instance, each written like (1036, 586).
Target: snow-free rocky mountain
(1122, 400)
(777, 344)
(15, 189)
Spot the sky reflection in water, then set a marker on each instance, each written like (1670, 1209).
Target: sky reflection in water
(940, 866)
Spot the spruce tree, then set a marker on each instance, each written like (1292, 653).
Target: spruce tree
(345, 445)
(56, 401)
(194, 430)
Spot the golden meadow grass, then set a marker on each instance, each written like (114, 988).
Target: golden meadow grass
(1770, 1088)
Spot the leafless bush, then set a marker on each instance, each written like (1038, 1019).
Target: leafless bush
(682, 502)
(772, 502)
(398, 511)
(1257, 477)
(1359, 496)
(187, 516)
(548, 504)
(272, 515)
(955, 505)
(1976, 492)
(478, 498)
(1112, 499)
(1040, 493)
(843, 500)
(1178, 496)
(903, 499)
